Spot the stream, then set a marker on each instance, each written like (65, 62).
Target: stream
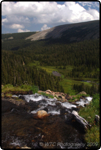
(21, 129)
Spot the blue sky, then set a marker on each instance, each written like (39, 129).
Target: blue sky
(41, 15)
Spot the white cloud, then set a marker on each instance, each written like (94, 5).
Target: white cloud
(44, 27)
(30, 13)
(16, 26)
(20, 30)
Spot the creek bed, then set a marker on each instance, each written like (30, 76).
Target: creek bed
(20, 128)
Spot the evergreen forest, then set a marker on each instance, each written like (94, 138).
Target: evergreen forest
(32, 62)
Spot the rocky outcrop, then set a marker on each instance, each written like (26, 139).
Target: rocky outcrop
(30, 129)
(10, 38)
(80, 121)
(59, 95)
(64, 32)
(63, 97)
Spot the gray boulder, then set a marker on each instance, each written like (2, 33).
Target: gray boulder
(80, 120)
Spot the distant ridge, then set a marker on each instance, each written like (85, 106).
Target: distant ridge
(69, 32)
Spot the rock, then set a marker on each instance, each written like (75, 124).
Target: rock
(83, 92)
(74, 112)
(10, 38)
(55, 73)
(97, 119)
(55, 98)
(42, 114)
(81, 122)
(25, 147)
(68, 97)
(49, 91)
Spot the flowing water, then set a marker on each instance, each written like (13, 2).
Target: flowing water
(20, 128)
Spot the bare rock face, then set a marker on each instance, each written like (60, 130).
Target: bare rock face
(10, 38)
(90, 28)
(42, 114)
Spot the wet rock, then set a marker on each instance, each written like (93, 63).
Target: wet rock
(42, 114)
(26, 129)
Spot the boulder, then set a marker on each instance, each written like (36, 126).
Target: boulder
(42, 114)
(83, 92)
(80, 121)
(25, 147)
(49, 91)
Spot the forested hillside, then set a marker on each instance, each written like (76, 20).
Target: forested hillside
(23, 61)
(16, 72)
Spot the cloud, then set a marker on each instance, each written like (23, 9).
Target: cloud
(44, 27)
(20, 30)
(16, 26)
(30, 13)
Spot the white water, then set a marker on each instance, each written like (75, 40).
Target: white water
(52, 105)
(68, 105)
(15, 142)
(82, 102)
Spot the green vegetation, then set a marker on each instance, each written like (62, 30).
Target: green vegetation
(92, 88)
(34, 89)
(48, 95)
(10, 88)
(89, 112)
(77, 97)
(28, 66)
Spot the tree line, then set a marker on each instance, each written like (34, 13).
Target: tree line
(15, 72)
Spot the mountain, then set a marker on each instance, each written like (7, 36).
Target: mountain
(57, 50)
(69, 32)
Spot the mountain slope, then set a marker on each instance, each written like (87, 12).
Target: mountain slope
(69, 32)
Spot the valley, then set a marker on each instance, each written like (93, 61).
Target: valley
(64, 60)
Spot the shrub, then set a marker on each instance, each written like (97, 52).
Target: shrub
(34, 89)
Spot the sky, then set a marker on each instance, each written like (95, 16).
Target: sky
(32, 16)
